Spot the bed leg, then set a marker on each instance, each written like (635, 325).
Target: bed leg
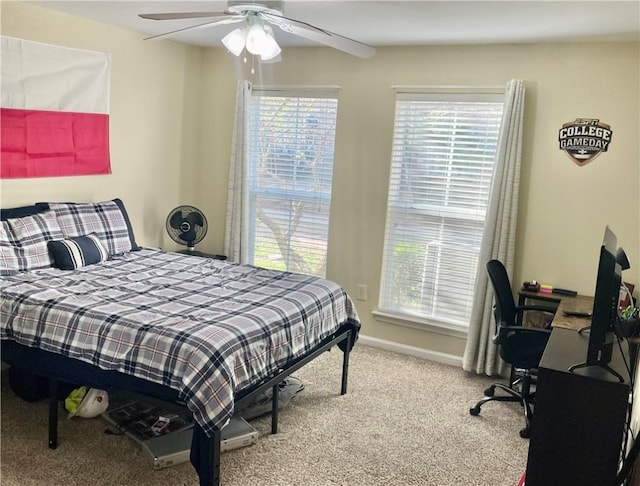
(274, 408)
(53, 413)
(205, 456)
(345, 364)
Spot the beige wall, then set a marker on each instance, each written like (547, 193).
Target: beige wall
(154, 123)
(563, 207)
(185, 99)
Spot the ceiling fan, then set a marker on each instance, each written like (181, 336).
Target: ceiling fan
(256, 34)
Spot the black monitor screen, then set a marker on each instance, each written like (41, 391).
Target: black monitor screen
(605, 302)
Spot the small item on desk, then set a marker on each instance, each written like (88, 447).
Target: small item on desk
(570, 293)
(629, 312)
(532, 286)
(572, 313)
(550, 289)
(626, 291)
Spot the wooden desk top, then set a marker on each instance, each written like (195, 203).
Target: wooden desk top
(580, 303)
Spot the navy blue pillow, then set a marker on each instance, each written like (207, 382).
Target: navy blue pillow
(77, 252)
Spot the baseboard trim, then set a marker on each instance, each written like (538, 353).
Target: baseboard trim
(445, 358)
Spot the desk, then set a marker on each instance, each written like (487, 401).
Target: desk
(579, 421)
(580, 303)
(583, 416)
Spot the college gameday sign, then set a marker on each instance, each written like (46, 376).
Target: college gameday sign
(584, 139)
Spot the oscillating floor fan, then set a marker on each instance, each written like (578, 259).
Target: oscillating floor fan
(187, 225)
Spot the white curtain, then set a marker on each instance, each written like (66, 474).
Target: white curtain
(499, 238)
(235, 240)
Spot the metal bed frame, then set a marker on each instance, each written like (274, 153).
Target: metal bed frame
(205, 451)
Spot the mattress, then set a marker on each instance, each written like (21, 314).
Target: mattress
(206, 328)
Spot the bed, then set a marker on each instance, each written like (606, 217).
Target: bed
(82, 303)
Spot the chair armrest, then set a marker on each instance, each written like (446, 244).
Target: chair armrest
(503, 332)
(524, 329)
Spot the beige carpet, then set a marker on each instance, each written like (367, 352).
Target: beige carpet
(404, 421)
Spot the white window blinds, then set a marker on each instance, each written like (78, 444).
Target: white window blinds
(290, 152)
(443, 154)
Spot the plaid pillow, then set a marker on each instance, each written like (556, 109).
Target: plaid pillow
(108, 220)
(30, 235)
(78, 251)
(9, 261)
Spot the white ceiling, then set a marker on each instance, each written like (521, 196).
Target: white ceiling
(388, 23)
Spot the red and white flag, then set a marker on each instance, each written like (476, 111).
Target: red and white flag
(54, 110)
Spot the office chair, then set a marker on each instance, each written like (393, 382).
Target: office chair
(519, 346)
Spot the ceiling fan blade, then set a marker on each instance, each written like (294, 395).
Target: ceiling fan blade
(321, 36)
(181, 15)
(227, 19)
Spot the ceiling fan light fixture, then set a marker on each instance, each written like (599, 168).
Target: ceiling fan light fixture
(256, 39)
(270, 48)
(235, 41)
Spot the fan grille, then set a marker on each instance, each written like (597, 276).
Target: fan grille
(186, 225)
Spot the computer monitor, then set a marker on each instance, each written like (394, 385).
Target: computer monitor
(605, 301)
(604, 327)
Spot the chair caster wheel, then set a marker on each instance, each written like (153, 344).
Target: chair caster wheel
(474, 411)
(489, 392)
(525, 433)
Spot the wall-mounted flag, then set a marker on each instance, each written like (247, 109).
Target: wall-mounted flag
(584, 139)
(54, 110)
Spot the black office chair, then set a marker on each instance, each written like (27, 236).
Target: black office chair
(519, 346)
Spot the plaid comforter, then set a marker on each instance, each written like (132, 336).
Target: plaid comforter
(207, 328)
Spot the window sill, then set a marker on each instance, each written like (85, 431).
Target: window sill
(422, 324)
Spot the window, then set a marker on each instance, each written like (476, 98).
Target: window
(443, 154)
(290, 152)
